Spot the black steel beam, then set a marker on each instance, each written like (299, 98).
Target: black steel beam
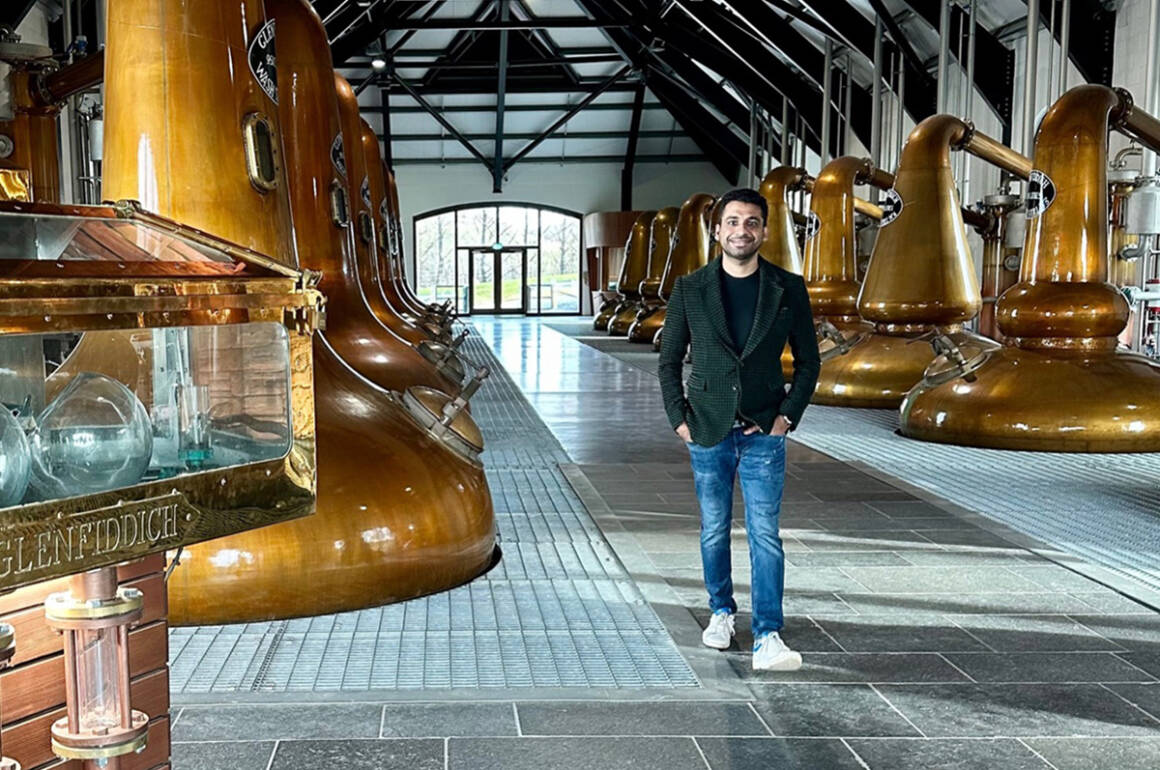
(555, 159)
(542, 22)
(350, 35)
(402, 41)
(715, 140)
(614, 134)
(515, 86)
(433, 112)
(616, 77)
(994, 62)
(1092, 50)
(526, 64)
(630, 150)
(718, 44)
(705, 86)
(538, 36)
(500, 95)
(14, 12)
(432, 53)
(921, 96)
(595, 106)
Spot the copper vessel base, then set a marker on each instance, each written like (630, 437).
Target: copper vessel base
(1045, 401)
(648, 322)
(877, 372)
(618, 326)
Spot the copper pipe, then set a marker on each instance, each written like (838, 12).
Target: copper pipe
(1136, 123)
(995, 152)
(880, 179)
(122, 642)
(82, 75)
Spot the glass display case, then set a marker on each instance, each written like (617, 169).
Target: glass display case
(155, 388)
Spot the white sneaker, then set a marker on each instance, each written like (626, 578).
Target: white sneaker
(719, 634)
(770, 653)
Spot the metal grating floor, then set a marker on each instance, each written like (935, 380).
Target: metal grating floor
(558, 611)
(1104, 508)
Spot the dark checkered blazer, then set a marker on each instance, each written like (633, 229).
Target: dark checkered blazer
(721, 378)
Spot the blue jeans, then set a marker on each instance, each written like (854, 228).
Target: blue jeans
(759, 460)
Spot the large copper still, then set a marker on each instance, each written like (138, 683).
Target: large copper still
(373, 336)
(689, 251)
(781, 242)
(662, 237)
(634, 271)
(399, 513)
(380, 297)
(636, 251)
(921, 280)
(1058, 383)
(391, 269)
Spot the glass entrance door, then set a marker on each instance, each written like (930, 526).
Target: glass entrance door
(497, 281)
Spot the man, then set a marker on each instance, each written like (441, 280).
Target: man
(737, 313)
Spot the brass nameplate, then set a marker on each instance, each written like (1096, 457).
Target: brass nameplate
(69, 543)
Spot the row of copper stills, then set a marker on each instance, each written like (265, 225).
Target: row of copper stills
(206, 127)
(1049, 346)
(225, 364)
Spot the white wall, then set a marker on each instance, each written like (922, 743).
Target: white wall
(580, 187)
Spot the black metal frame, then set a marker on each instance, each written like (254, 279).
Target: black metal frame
(756, 45)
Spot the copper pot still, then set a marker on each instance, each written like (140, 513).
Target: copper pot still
(636, 253)
(400, 512)
(690, 247)
(639, 274)
(1058, 383)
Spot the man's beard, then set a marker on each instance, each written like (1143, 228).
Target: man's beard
(745, 255)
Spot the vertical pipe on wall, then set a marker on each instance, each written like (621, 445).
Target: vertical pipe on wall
(969, 101)
(784, 156)
(849, 82)
(898, 140)
(944, 47)
(752, 161)
(1151, 75)
(827, 87)
(1051, 94)
(876, 97)
(1065, 43)
(1030, 61)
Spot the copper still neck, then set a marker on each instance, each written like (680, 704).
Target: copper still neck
(781, 245)
(636, 253)
(662, 238)
(694, 234)
(191, 113)
(1063, 299)
(831, 253)
(921, 271)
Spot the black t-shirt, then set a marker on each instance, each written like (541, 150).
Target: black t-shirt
(739, 296)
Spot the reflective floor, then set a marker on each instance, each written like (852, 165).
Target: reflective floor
(932, 636)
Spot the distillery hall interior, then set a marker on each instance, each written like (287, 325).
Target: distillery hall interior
(580, 384)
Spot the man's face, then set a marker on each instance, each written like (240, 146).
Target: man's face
(741, 231)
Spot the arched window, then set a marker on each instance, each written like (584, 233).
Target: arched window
(499, 258)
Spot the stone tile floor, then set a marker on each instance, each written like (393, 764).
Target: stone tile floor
(930, 639)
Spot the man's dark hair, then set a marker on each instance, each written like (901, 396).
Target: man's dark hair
(743, 195)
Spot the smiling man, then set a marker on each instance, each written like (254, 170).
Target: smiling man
(737, 314)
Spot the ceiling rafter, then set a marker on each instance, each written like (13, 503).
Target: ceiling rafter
(723, 148)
